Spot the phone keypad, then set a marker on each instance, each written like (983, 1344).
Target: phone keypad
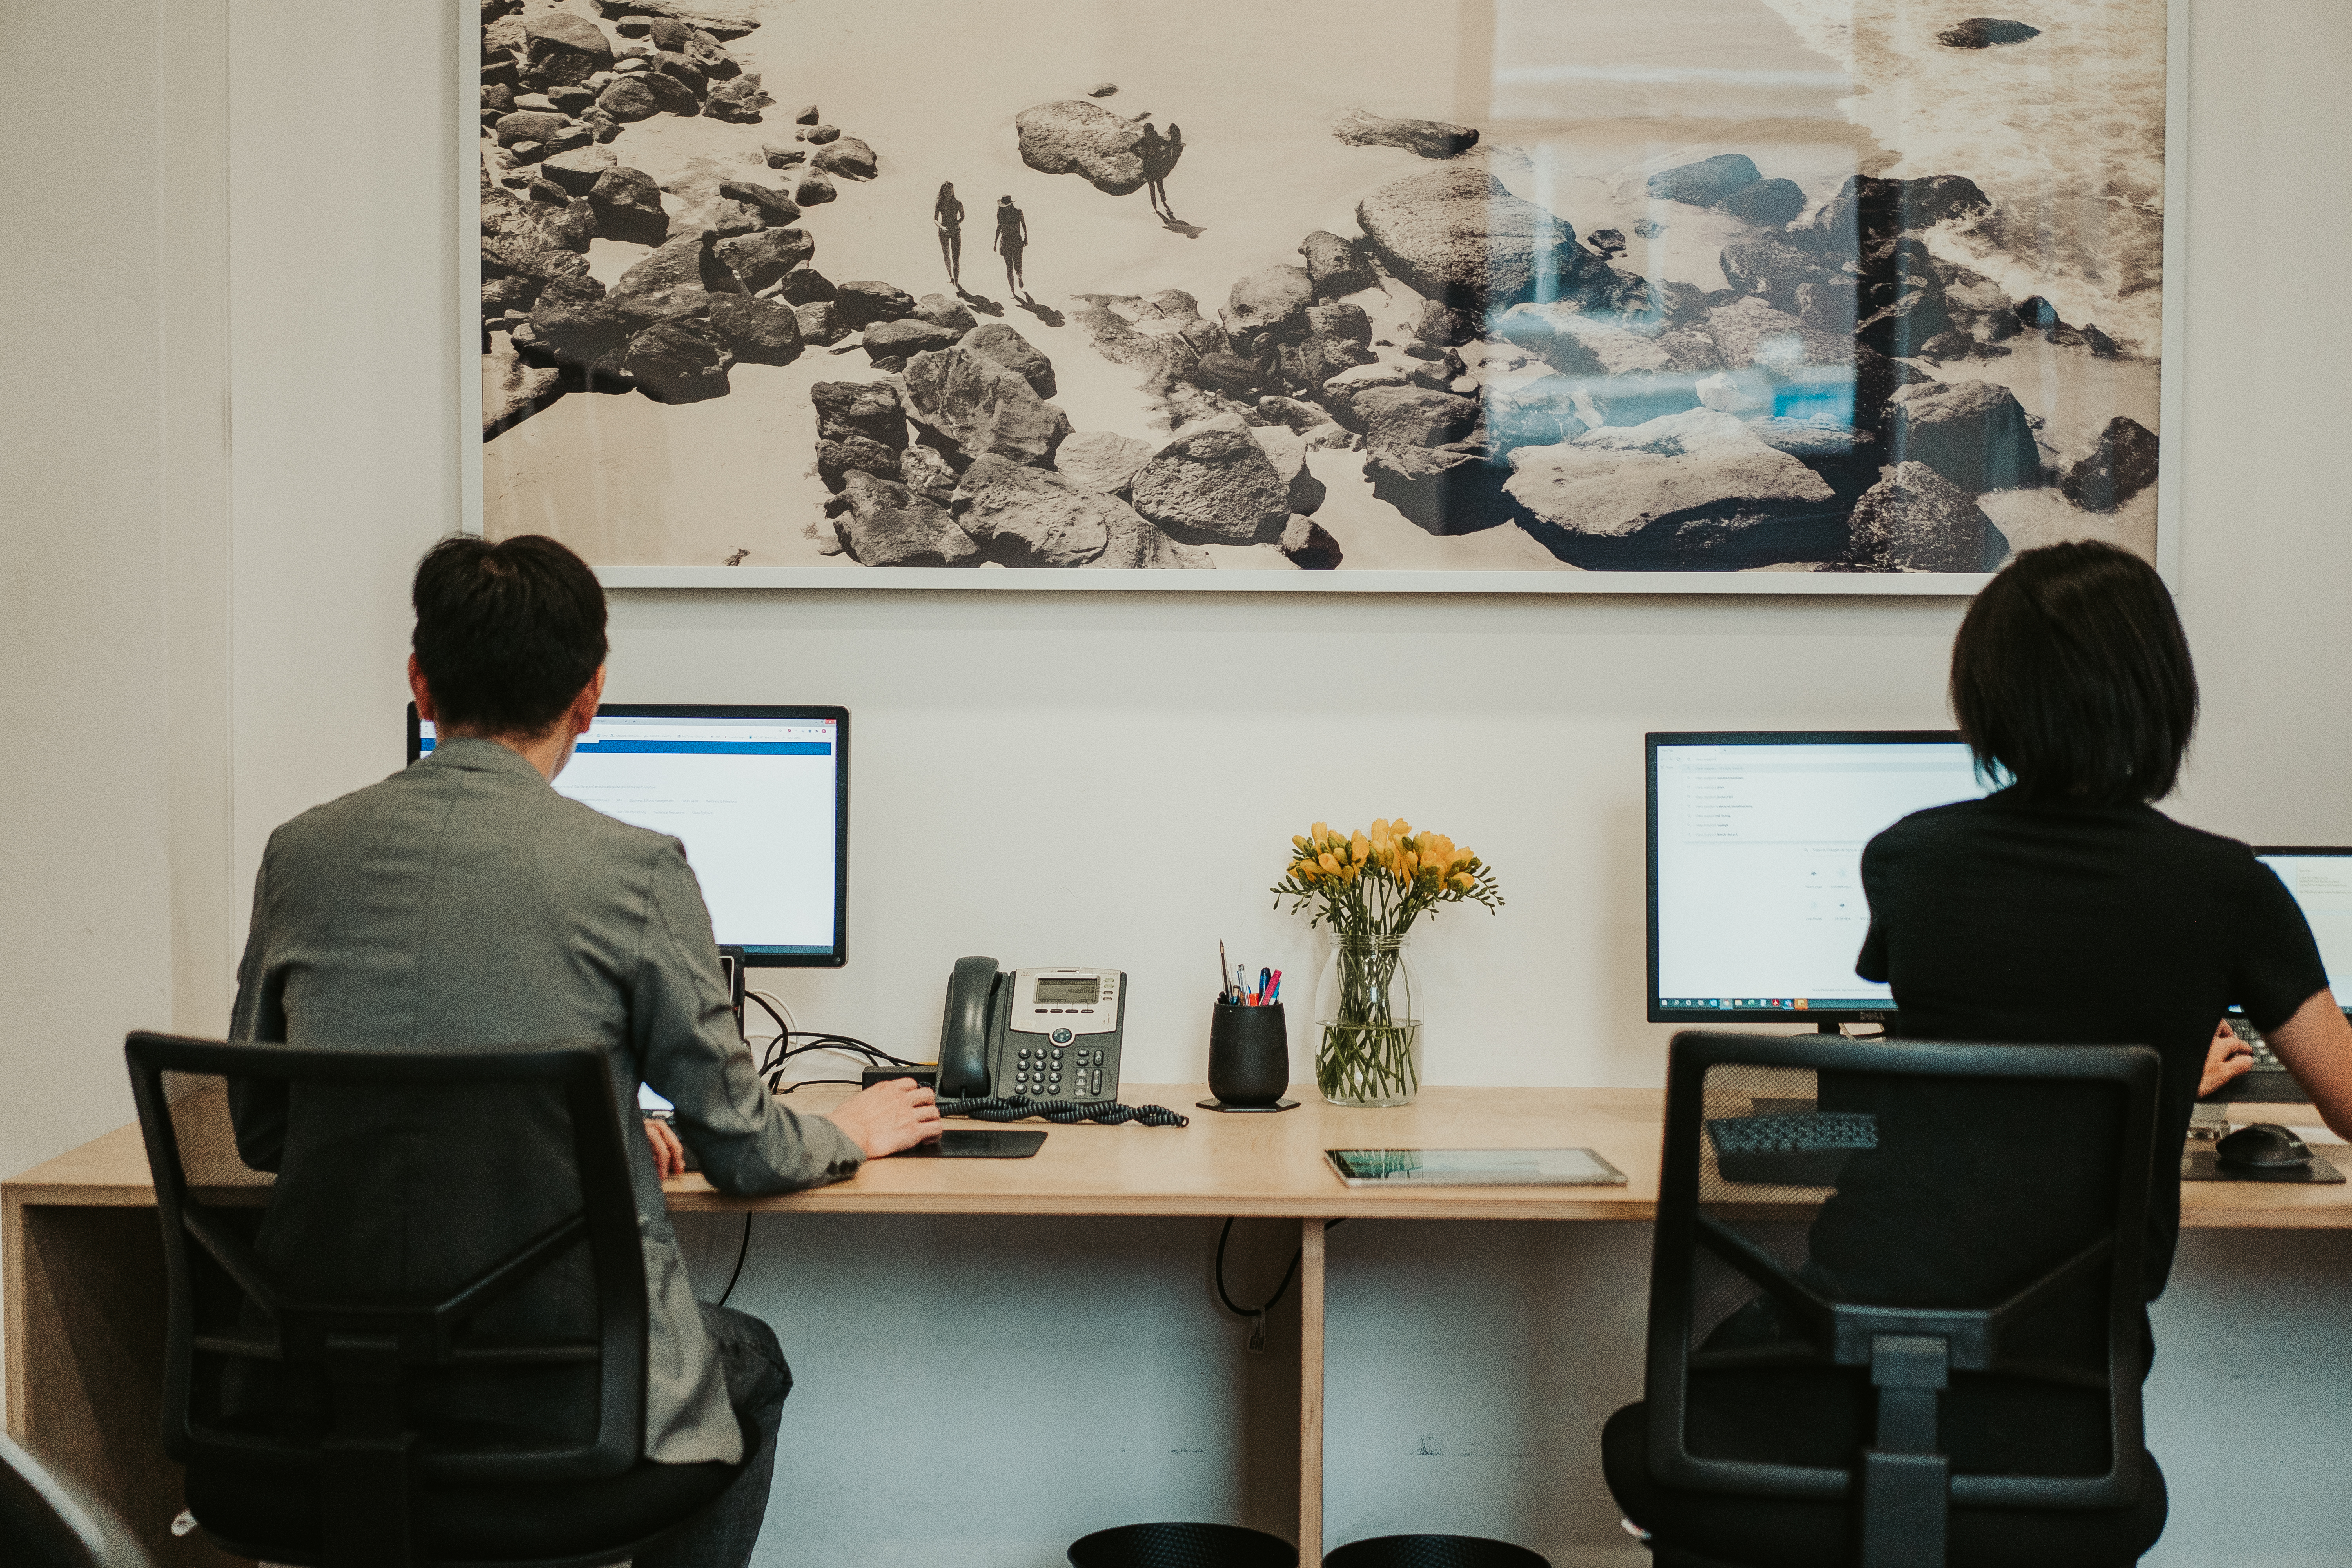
(1057, 1071)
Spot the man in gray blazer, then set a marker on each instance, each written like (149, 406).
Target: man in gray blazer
(464, 901)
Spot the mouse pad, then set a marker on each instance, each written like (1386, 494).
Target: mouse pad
(986, 1143)
(2199, 1162)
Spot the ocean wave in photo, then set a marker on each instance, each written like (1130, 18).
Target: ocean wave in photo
(2063, 131)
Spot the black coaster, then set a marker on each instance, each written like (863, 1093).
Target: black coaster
(1246, 1109)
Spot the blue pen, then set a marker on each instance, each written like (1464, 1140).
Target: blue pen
(1264, 986)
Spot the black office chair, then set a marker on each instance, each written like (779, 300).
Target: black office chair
(407, 1314)
(1882, 1335)
(46, 1521)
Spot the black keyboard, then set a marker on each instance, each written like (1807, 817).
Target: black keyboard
(1789, 1148)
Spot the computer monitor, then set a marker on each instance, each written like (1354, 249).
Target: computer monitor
(1755, 839)
(759, 796)
(2321, 881)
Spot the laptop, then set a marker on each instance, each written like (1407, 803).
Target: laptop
(2320, 882)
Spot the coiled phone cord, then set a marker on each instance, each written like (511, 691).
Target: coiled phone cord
(1018, 1107)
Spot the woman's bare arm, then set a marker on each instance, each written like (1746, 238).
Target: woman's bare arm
(2316, 1046)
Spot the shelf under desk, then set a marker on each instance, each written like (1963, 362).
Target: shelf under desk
(84, 1273)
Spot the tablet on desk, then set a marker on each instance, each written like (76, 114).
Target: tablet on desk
(1474, 1167)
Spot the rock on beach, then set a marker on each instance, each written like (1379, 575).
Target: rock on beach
(1915, 520)
(1455, 234)
(1707, 182)
(1078, 136)
(2120, 466)
(1972, 432)
(1214, 486)
(1609, 484)
(1429, 138)
(982, 407)
(888, 524)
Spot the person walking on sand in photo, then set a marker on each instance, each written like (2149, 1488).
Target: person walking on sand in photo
(1159, 154)
(947, 215)
(1012, 240)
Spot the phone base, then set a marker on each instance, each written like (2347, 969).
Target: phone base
(1246, 1109)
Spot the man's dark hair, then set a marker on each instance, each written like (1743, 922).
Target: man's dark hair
(2071, 671)
(507, 634)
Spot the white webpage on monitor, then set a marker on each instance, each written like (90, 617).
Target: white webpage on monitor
(1759, 899)
(754, 801)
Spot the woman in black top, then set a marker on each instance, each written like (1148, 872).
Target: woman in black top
(2065, 909)
(1012, 240)
(2061, 910)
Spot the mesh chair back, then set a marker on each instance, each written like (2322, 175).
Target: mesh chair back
(1866, 1283)
(396, 1266)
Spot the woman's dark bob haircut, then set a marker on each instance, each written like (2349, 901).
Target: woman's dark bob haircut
(2072, 673)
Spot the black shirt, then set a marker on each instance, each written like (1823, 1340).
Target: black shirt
(2003, 921)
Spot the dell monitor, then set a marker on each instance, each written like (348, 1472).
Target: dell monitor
(759, 796)
(1755, 839)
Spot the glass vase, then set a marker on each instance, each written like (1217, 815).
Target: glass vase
(1366, 1033)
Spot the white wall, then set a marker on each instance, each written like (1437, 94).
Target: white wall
(201, 638)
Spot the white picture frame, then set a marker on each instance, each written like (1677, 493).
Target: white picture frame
(637, 575)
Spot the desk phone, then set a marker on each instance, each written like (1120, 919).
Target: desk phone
(1047, 1034)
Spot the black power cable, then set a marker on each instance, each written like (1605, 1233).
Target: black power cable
(1258, 1313)
(741, 1253)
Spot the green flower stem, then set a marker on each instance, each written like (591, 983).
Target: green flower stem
(1366, 1052)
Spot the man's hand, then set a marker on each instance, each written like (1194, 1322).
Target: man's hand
(2228, 1058)
(669, 1155)
(889, 1116)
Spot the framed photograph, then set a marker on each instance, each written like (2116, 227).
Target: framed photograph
(1752, 296)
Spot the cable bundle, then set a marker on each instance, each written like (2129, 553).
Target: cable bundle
(1018, 1107)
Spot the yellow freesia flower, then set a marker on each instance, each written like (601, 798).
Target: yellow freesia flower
(1329, 862)
(1464, 880)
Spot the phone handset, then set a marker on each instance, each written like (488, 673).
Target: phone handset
(968, 1028)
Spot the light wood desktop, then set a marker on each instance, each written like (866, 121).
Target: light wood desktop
(84, 1273)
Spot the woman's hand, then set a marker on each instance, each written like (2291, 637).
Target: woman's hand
(669, 1155)
(2228, 1058)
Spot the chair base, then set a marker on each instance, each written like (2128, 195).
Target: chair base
(574, 1524)
(1721, 1530)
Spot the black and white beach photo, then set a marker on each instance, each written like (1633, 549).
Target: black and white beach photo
(1704, 287)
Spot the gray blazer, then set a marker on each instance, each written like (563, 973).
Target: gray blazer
(463, 902)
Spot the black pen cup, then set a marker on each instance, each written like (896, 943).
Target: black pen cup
(1249, 1054)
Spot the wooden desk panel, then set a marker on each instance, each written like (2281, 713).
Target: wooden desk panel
(84, 1265)
(1256, 1164)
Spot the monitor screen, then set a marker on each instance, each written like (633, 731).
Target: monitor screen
(758, 796)
(2321, 881)
(1756, 904)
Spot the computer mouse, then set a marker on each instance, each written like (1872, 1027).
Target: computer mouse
(2263, 1143)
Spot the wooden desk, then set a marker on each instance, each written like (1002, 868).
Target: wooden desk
(84, 1273)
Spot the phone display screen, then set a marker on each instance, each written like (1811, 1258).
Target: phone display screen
(1060, 991)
